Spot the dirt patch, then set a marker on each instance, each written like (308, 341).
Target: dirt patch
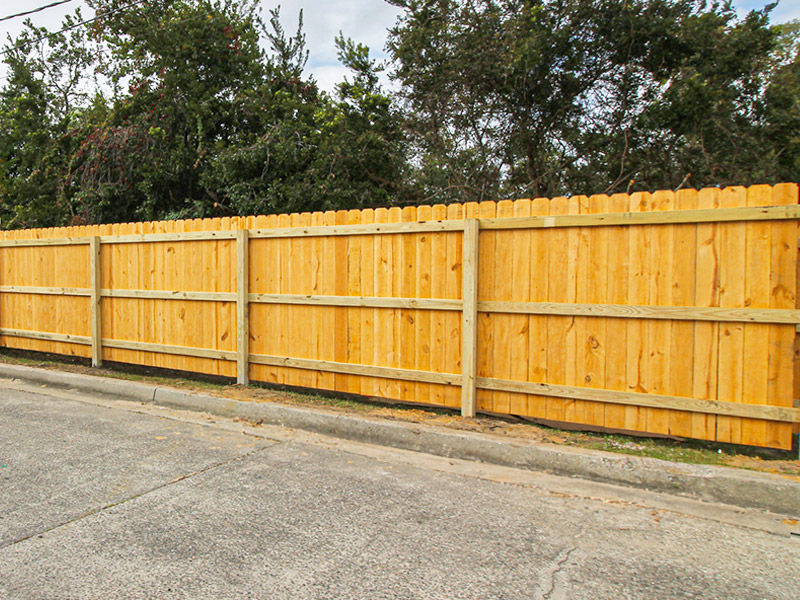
(674, 449)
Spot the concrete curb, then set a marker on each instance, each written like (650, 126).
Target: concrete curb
(714, 484)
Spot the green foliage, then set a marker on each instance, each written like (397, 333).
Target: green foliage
(510, 98)
(175, 109)
(308, 151)
(190, 118)
(39, 105)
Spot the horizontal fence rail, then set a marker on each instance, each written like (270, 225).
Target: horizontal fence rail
(527, 336)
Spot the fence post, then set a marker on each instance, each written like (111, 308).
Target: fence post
(97, 315)
(469, 316)
(242, 307)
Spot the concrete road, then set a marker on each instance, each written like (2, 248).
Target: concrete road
(111, 499)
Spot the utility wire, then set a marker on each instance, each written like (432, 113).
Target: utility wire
(35, 10)
(75, 26)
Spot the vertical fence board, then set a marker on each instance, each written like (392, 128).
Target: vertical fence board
(617, 329)
(519, 325)
(706, 349)
(638, 293)
(501, 287)
(659, 372)
(578, 375)
(208, 309)
(454, 286)
(731, 335)
(597, 340)
(314, 323)
(354, 276)
(486, 330)
(383, 345)
(783, 286)
(756, 336)
(242, 307)
(439, 267)
(367, 315)
(422, 356)
(538, 256)
(558, 327)
(684, 259)
(408, 285)
(573, 409)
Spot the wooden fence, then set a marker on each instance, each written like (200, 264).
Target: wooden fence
(666, 313)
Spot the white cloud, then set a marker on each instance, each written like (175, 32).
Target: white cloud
(327, 76)
(365, 21)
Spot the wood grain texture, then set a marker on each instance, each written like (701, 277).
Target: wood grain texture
(659, 363)
(682, 293)
(95, 268)
(617, 329)
(646, 401)
(731, 335)
(627, 311)
(670, 313)
(783, 289)
(242, 307)
(665, 217)
(469, 317)
(485, 282)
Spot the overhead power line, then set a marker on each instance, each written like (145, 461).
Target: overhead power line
(74, 26)
(35, 10)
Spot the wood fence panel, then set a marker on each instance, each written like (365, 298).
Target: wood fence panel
(45, 266)
(602, 279)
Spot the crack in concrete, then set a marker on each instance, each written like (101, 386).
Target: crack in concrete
(162, 486)
(556, 568)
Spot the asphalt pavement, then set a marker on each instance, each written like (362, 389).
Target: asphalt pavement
(106, 498)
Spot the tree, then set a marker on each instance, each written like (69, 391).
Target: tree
(188, 66)
(188, 116)
(509, 98)
(39, 105)
(306, 150)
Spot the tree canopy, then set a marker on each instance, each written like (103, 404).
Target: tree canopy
(192, 108)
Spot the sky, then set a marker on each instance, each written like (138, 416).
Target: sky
(365, 21)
